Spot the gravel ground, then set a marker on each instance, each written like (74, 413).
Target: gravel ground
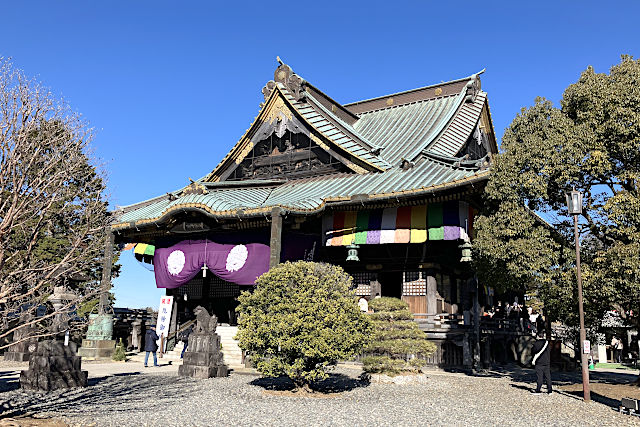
(159, 397)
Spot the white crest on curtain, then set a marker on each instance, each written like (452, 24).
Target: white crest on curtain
(237, 258)
(175, 262)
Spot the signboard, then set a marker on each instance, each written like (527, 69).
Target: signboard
(586, 347)
(164, 316)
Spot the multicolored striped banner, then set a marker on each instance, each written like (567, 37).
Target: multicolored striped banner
(144, 249)
(408, 224)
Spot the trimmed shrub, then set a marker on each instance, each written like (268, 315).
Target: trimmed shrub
(398, 344)
(119, 354)
(300, 319)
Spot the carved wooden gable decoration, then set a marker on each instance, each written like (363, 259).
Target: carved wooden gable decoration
(285, 153)
(280, 144)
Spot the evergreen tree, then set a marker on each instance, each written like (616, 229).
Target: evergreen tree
(592, 143)
(398, 344)
(300, 319)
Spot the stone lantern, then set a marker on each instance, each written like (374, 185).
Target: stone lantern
(55, 365)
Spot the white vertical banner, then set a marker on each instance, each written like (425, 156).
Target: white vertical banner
(164, 317)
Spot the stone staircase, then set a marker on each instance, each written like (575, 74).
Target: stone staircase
(232, 353)
(174, 355)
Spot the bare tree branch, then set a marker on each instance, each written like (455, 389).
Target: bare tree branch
(53, 212)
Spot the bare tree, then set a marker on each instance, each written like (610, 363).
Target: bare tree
(53, 212)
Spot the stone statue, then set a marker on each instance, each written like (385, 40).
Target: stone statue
(205, 322)
(203, 358)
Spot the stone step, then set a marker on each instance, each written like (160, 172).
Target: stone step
(232, 353)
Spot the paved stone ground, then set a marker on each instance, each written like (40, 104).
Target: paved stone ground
(123, 394)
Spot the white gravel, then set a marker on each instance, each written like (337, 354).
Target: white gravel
(159, 397)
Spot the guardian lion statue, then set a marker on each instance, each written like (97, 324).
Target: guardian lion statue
(205, 322)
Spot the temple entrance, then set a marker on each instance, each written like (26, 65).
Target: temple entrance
(391, 283)
(218, 296)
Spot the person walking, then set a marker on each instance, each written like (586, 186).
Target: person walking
(184, 337)
(542, 362)
(150, 345)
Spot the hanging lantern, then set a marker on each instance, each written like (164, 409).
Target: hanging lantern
(352, 252)
(466, 252)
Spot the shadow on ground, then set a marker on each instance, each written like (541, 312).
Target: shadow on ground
(612, 403)
(111, 391)
(336, 383)
(9, 381)
(525, 379)
(527, 375)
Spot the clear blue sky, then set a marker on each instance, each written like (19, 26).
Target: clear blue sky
(171, 86)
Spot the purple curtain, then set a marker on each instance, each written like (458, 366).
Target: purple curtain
(241, 264)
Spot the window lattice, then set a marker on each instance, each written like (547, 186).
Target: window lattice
(362, 282)
(414, 283)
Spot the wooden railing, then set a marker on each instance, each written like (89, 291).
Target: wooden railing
(499, 325)
(174, 334)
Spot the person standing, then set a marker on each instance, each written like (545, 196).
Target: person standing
(150, 345)
(616, 346)
(542, 362)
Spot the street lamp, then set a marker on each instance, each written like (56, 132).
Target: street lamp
(574, 204)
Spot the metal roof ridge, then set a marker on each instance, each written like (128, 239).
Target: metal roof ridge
(144, 203)
(245, 183)
(351, 130)
(477, 101)
(433, 135)
(416, 89)
(308, 83)
(449, 160)
(391, 107)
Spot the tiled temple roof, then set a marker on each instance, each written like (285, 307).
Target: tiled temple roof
(422, 130)
(306, 195)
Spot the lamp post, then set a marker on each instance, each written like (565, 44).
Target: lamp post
(574, 204)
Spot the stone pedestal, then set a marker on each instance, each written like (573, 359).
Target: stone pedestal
(432, 295)
(53, 366)
(21, 351)
(203, 358)
(97, 349)
(98, 345)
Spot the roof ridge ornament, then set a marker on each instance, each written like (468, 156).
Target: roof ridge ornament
(194, 188)
(472, 88)
(285, 75)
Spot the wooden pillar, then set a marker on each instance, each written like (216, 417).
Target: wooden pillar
(276, 237)
(105, 285)
(476, 327)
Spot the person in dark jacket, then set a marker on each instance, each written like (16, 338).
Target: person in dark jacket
(542, 361)
(184, 337)
(150, 345)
